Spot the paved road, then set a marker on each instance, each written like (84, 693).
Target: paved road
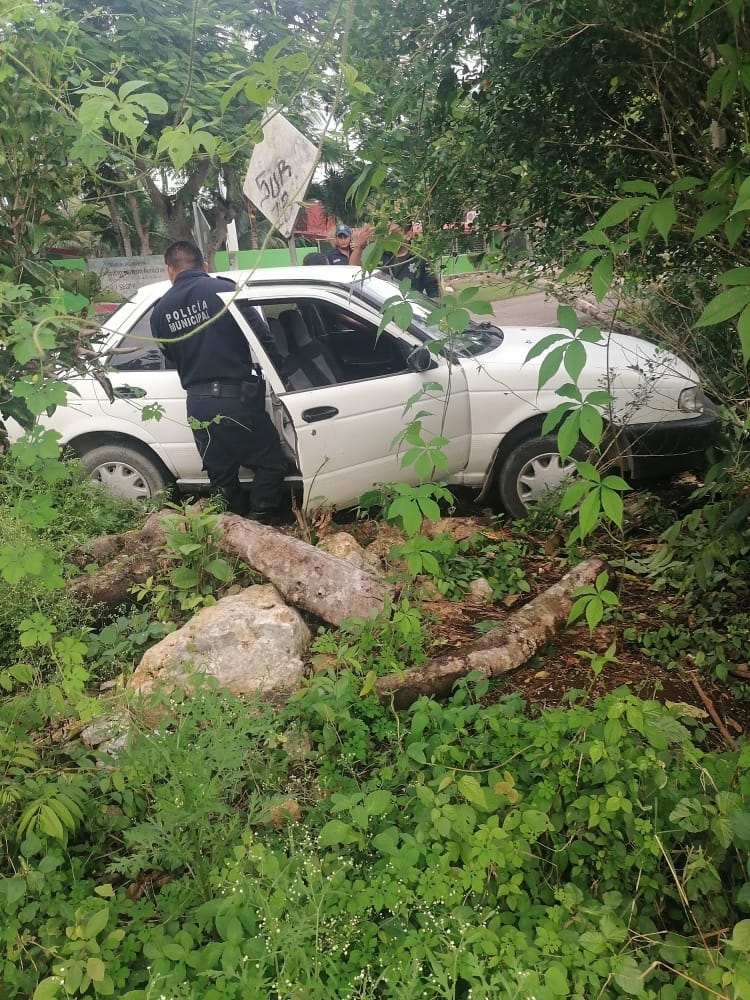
(536, 309)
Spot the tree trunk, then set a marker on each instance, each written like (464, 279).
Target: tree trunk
(118, 222)
(497, 652)
(328, 587)
(144, 236)
(125, 559)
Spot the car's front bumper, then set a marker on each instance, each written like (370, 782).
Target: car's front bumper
(655, 451)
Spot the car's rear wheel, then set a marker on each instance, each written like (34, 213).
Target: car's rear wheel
(531, 469)
(125, 471)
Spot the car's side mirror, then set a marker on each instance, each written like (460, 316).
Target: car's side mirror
(420, 360)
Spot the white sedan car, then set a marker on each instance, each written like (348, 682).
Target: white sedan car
(342, 401)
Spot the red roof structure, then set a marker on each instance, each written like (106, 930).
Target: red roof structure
(313, 223)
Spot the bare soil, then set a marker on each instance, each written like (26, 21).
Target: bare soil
(558, 670)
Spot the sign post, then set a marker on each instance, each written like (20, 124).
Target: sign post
(281, 167)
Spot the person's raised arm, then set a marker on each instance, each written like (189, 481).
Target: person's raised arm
(360, 238)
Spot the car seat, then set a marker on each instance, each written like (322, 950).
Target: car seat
(312, 356)
(293, 374)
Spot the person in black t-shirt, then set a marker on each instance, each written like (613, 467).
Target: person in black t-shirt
(404, 263)
(224, 385)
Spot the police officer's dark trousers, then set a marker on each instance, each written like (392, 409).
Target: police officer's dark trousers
(237, 431)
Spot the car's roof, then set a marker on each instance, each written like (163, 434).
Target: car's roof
(338, 275)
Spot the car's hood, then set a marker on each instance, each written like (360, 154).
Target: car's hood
(631, 369)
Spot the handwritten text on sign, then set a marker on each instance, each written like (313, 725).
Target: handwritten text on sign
(279, 173)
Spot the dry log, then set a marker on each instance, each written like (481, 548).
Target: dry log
(604, 318)
(328, 587)
(125, 559)
(498, 651)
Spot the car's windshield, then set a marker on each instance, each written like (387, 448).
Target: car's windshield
(478, 338)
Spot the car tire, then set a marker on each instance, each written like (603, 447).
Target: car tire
(533, 467)
(126, 471)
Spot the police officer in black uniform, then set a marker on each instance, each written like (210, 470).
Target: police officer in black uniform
(225, 388)
(404, 263)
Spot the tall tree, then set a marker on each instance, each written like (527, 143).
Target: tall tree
(192, 137)
(535, 112)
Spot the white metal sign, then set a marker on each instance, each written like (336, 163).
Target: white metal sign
(280, 170)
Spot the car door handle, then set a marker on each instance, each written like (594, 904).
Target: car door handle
(319, 413)
(129, 392)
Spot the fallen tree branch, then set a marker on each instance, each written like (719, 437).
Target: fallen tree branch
(125, 559)
(711, 709)
(498, 651)
(328, 587)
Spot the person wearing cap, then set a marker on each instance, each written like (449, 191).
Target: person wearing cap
(341, 251)
(349, 244)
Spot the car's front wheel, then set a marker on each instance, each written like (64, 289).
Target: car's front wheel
(125, 471)
(531, 469)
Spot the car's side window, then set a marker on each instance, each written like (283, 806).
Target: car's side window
(323, 344)
(138, 352)
(359, 349)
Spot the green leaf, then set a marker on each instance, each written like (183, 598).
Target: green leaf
(743, 331)
(554, 417)
(154, 104)
(184, 577)
(220, 569)
(588, 513)
(336, 831)
(567, 318)
(49, 822)
(591, 423)
(630, 978)
(594, 612)
(430, 508)
(740, 939)
(687, 183)
(575, 359)
(130, 87)
(601, 276)
(612, 505)
(473, 792)
(95, 969)
(711, 219)
(47, 988)
(740, 821)
(573, 494)
(551, 364)
(734, 227)
(378, 803)
(724, 305)
(93, 112)
(742, 204)
(97, 922)
(544, 344)
(664, 216)
(613, 482)
(599, 397)
(129, 120)
(569, 434)
(621, 211)
(736, 276)
(14, 888)
(387, 841)
(640, 187)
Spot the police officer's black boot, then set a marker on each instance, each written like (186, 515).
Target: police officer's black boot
(271, 516)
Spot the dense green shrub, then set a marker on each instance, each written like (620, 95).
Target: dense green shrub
(456, 849)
